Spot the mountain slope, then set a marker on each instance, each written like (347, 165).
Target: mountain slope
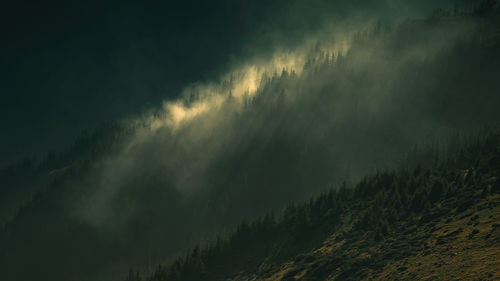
(414, 223)
(451, 246)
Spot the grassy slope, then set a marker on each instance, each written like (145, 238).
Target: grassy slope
(462, 246)
(445, 248)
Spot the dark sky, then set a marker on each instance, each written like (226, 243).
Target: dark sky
(70, 65)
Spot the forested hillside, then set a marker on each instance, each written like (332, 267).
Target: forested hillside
(436, 219)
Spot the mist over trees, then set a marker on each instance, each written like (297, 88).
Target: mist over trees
(60, 58)
(142, 191)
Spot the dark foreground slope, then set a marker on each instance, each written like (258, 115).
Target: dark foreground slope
(453, 245)
(439, 220)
